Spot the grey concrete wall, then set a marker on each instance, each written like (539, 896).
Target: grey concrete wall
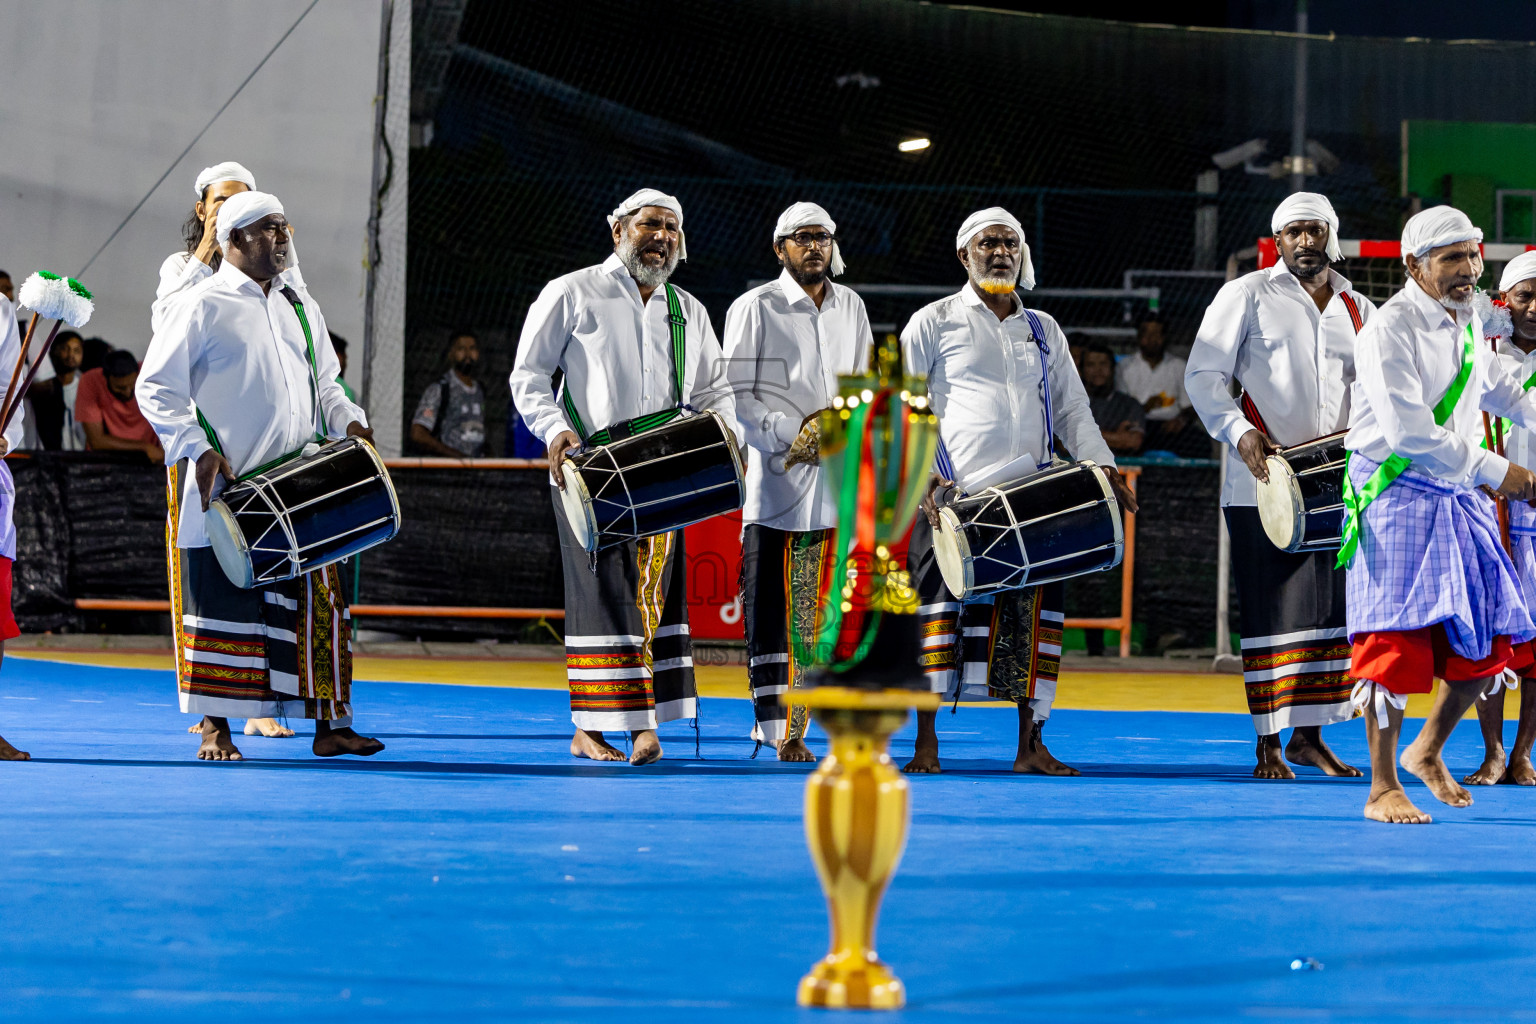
(98, 96)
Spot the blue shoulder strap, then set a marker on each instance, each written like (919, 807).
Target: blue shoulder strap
(1037, 329)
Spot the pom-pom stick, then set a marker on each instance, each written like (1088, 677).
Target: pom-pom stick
(56, 298)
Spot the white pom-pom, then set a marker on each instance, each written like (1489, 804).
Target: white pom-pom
(57, 299)
(1497, 323)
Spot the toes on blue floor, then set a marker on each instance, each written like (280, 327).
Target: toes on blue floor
(474, 871)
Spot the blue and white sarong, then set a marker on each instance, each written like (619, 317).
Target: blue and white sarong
(1430, 554)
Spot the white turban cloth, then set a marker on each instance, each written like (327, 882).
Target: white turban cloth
(244, 208)
(1437, 226)
(997, 215)
(226, 171)
(1521, 268)
(805, 215)
(1309, 206)
(652, 197)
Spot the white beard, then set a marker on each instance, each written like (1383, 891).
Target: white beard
(645, 276)
(994, 284)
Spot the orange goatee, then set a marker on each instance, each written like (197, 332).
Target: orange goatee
(997, 286)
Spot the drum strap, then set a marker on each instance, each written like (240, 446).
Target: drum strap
(648, 421)
(1355, 502)
(945, 466)
(1037, 330)
(314, 394)
(1251, 411)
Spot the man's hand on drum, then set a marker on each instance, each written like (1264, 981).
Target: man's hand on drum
(1123, 493)
(356, 429)
(1254, 448)
(210, 466)
(1519, 484)
(559, 449)
(931, 502)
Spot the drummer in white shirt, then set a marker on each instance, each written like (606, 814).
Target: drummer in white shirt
(606, 328)
(1287, 335)
(786, 342)
(235, 378)
(1517, 353)
(987, 359)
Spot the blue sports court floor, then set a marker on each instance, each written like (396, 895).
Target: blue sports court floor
(474, 872)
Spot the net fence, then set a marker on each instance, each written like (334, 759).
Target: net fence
(530, 122)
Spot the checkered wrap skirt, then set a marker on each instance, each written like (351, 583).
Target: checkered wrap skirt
(1430, 553)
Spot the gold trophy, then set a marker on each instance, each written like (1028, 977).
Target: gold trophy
(877, 443)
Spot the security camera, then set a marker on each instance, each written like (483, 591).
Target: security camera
(1326, 162)
(1230, 158)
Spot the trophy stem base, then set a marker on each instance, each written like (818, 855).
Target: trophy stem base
(852, 980)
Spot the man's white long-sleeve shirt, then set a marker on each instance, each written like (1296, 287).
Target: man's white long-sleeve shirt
(1295, 361)
(180, 271)
(239, 357)
(616, 354)
(984, 379)
(783, 357)
(1519, 443)
(1405, 361)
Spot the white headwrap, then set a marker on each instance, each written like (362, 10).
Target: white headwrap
(997, 215)
(244, 208)
(1519, 269)
(226, 171)
(1437, 226)
(653, 197)
(1309, 206)
(804, 215)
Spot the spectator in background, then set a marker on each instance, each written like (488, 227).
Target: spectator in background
(340, 345)
(1077, 343)
(108, 411)
(95, 352)
(450, 418)
(53, 400)
(1156, 380)
(6, 287)
(1120, 417)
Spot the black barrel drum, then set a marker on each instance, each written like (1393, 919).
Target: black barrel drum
(1302, 505)
(652, 483)
(1054, 525)
(328, 504)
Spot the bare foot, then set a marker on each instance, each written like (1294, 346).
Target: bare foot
(336, 742)
(925, 760)
(1520, 772)
(1432, 772)
(10, 753)
(1271, 764)
(795, 750)
(217, 744)
(592, 745)
(270, 727)
(1394, 808)
(1307, 747)
(1037, 760)
(644, 747)
(1490, 772)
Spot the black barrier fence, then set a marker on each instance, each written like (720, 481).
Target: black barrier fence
(92, 525)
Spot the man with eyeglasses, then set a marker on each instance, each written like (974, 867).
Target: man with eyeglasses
(785, 345)
(989, 362)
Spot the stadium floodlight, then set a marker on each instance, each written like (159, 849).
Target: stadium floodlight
(1243, 154)
(913, 145)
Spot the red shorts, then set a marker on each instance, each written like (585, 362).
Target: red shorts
(1410, 661)
(8, 627)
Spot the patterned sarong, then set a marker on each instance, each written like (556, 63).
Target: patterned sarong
(1430, 553)
(628, 652)
(1294, 642)
(283, 650)
(782, 575)
(1004, 646)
